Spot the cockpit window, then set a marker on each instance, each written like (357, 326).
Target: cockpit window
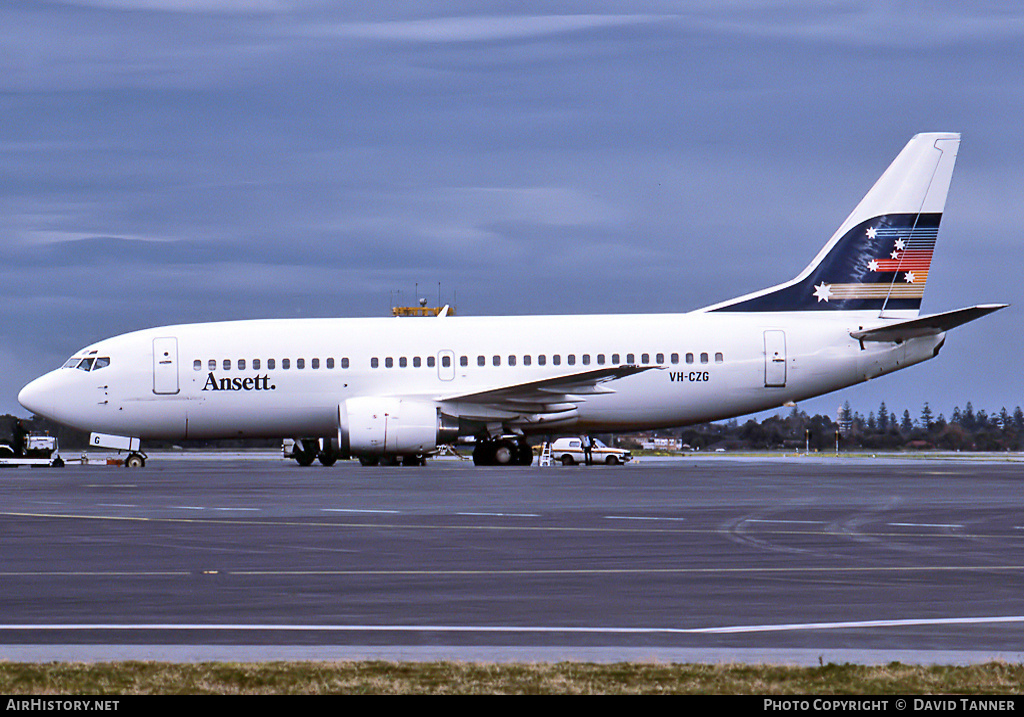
(87, 364)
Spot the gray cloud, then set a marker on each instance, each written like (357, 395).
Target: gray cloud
(475, 28)
(205, 160)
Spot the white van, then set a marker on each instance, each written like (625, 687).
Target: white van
(569, 451)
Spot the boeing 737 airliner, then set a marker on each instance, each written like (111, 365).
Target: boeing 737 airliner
(398, 388)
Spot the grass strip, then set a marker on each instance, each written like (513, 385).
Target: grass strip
(383, 677)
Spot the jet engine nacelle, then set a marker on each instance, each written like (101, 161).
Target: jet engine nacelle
(376, 425)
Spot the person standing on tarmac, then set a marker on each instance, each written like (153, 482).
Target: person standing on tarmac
(588, 450)
(18, 442)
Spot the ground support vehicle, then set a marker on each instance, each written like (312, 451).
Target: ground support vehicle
(569, 451)
(35, 449)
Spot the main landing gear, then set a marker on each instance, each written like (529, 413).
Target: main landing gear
(503, 451)
(498, 451)
(307, 450)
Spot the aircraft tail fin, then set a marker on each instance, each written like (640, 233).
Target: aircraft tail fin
(879, 257)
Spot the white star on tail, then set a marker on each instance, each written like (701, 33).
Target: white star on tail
(872, 232)
(900, 244)
(823, 291)
(872, 265)
(909, 277)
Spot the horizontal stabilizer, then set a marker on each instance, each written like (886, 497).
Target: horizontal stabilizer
(926, 325)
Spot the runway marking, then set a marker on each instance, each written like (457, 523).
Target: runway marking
(203, 507)
(498, 572)
(95, 574)
(827, 570)
(542, 528)
(502, 515)
(357, 510)
(547, 629)
(779, 520)
(863, 624)
(320, 524)
(642, 517)
(926, 525)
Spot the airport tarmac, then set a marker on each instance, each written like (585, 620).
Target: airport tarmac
(720, 559)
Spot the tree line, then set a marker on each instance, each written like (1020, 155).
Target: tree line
(966, 429)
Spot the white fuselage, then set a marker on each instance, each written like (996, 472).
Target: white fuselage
(188, 381)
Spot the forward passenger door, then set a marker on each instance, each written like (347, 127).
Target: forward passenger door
(165, 366)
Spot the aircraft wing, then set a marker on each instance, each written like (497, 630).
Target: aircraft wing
(547, 399)
(926, 325)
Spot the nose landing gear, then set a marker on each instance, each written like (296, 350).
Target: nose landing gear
(135, 459)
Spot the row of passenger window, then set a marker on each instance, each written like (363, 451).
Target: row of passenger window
(271, 364)
(556, 360)
(446, 361)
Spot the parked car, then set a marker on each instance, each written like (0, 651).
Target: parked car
(569, 451)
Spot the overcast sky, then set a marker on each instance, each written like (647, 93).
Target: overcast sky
(166, 161)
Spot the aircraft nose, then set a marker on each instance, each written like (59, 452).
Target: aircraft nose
(37, 397)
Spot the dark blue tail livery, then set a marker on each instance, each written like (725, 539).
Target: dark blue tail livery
(879, 258)
(879, 264)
